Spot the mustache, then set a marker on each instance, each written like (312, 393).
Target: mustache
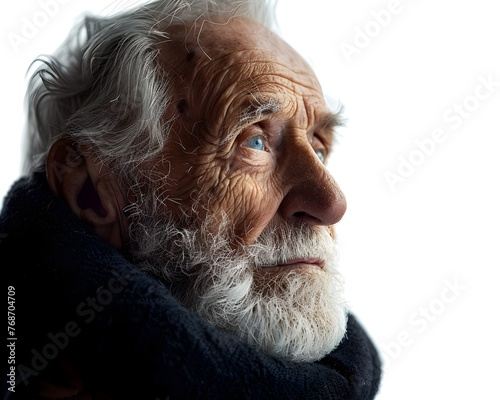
(281, 244)
(189, 249)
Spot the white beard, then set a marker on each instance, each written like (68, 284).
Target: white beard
(295, 314)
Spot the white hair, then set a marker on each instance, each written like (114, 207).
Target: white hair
(104, 87)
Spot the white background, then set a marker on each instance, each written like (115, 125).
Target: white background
(403, 246)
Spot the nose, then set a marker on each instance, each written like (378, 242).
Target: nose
(311, 194)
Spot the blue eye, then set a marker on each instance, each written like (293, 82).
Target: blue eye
(256, 143)
(321, 155)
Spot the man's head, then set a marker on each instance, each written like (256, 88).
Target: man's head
(193, 139)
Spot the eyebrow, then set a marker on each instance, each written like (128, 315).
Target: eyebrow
(330, 120)
(259, 107)
(254, 112)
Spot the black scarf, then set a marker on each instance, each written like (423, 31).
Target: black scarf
(78, 298)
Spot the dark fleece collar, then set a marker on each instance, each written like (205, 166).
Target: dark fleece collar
(79, 298)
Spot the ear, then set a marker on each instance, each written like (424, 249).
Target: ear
(90, 189)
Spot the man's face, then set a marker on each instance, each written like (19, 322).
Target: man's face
(252, 129)
(244, 173)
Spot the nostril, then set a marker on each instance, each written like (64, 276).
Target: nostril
(302, 215)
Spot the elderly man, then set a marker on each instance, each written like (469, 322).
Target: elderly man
(174, 237)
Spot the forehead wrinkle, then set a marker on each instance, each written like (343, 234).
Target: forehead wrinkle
(294, 74)
(258, 63)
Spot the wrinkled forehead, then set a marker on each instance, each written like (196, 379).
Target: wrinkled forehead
(237, 41)
(226, 72)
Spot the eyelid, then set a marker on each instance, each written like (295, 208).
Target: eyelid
(237, 131)
(319, 145)
(252, 131)
(327, 138)
(318, 142)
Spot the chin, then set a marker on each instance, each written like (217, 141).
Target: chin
(297, 315)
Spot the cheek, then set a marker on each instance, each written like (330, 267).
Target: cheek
(206, 185)
(250, 202)
(173, 185)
